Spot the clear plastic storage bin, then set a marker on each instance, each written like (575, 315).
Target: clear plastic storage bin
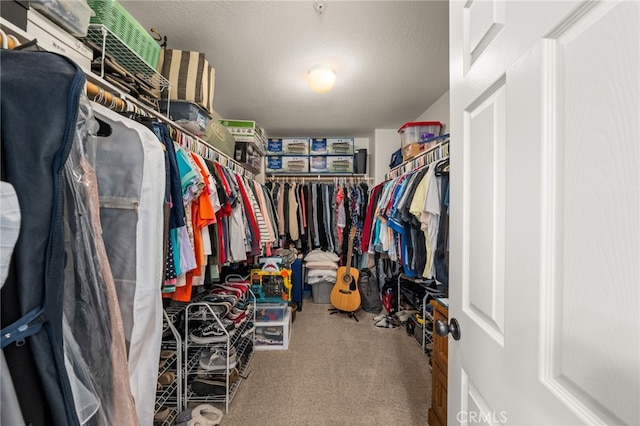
(71, 15)
(419, 130)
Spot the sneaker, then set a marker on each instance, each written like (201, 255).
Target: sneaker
(218, 348)
(250, 329)
(235, 313)
(217, 296)
(209, 333)
(221, 298)
(234, 374)
(380, 317)
(405, 315)
(239, 319)
(204, 314)
(204, 387)
(386, 323)
(217, 361)
(227, 289)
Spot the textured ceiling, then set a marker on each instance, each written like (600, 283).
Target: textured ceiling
(391, 59)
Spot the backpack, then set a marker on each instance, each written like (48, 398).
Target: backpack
(369, 292)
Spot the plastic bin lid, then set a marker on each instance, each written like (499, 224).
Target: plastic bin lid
(419, 123)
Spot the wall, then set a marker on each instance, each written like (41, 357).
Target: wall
(386, 141)
(439, 111)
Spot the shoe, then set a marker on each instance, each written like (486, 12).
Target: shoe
(203, 314)
(205, 387)
(162, 414)
(273, 332)
(235, 313)
(218, 377)
(200, 415)
(250, 329)
(239, 319)
(226, 289)
(405, 315)
(221, 297)
(219, 348)
(166, 378)
(379, 317)
(166, 358)
(386, 323)
(217, 361)
(209, 333)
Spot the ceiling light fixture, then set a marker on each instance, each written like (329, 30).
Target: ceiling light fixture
(321, 78)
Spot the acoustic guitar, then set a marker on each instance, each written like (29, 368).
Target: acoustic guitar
(345, 295)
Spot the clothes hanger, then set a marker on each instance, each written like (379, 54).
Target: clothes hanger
(104, 129)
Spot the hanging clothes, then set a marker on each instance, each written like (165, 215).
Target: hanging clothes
(129, 164)
(404, 219)
(59, 261)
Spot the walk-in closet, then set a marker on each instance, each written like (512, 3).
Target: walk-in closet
(319, 212)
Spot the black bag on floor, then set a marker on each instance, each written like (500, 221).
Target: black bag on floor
(369, 292)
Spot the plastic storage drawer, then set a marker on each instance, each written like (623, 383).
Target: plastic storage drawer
(273, 335)
(270, 312)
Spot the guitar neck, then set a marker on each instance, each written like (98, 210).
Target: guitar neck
(350, 251)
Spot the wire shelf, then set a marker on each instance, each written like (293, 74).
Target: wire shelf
(110, 43)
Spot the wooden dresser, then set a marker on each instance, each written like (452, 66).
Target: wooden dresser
(438, 410)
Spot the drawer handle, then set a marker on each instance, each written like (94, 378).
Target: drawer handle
(453, 327)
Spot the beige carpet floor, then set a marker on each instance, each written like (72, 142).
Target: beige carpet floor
(336, 372)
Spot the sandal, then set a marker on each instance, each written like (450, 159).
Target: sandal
(167, 378)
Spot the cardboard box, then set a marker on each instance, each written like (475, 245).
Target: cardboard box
(340, 146)
(288, 146)
(243, 128)
(332, 146)
(318, 164)
(340, 164)
(318, 146)
(282, 164)
(331, 164)
(411, 150)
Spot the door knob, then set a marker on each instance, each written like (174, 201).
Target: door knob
(453, 327)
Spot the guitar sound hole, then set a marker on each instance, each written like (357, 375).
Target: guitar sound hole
(347, 279)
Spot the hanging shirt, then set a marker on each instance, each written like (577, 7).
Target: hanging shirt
(293, 214)
(431, 218)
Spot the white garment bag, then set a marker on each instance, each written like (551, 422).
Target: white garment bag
(131, 183)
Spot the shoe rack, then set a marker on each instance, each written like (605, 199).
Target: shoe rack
(418, 292)
(169, 389)
(241, 338)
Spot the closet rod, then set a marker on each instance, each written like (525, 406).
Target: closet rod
(437, 153)
(98, 82)
(320, 178)
(98, 94)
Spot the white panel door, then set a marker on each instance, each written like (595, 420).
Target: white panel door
(545, 212)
